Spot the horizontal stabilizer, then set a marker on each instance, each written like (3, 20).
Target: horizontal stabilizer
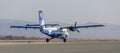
(51, 24)
(43, 25)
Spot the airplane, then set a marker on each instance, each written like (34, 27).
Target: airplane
(54, 30)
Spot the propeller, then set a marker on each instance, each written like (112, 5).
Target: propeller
(76, 28)
(73, 28)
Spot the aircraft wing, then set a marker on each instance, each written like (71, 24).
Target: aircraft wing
(74, 28)
(87, 26)
(26, 27)
(32, 24)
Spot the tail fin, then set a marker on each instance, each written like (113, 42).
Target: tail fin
(41, 21)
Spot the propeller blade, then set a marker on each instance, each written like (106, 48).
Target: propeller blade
(75, 24)
(77, 30)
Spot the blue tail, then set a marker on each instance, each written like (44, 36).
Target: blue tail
(41, 21)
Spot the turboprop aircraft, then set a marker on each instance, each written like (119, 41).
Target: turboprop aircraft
(54, 30)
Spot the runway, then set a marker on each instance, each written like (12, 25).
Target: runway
(60, 47)
(19, 42)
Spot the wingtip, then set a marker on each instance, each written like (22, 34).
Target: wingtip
(11, 27)
(104, 25)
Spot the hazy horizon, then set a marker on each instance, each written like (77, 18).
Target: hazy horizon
(82, 11)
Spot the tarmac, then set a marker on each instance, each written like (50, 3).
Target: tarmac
(60, 47)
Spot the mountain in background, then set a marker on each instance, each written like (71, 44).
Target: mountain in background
(109, 32)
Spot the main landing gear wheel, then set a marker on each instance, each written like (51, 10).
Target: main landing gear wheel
(47, 40)
(64, 40)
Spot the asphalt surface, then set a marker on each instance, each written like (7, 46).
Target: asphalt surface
(90, 47)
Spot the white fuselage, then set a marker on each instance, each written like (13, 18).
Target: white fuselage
(55, 32)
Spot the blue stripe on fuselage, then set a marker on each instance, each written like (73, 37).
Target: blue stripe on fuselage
(45, 32)
(53, 34)
(56, 35)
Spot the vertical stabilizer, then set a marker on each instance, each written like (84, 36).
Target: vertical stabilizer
(41, 21)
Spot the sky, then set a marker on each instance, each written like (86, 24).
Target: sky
(65, 11)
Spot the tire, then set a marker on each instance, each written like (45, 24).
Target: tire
(64, 40)
(47, 40)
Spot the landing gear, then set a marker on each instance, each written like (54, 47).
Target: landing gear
(64, 40)
(47, 40)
